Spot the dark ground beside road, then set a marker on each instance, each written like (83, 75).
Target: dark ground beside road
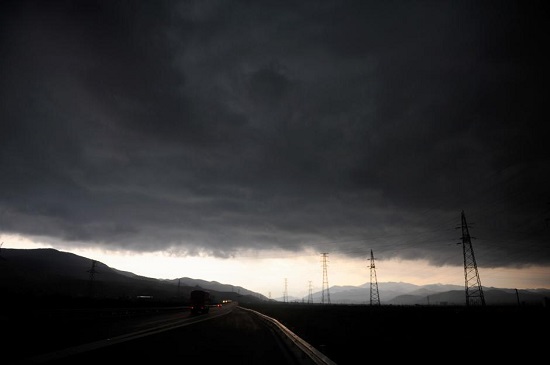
(351, 334)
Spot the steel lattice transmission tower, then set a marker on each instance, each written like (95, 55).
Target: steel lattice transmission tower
(285, 293)
(325, 289)
(474, 290)
(310, 294)
(374, 295)
(92, 273)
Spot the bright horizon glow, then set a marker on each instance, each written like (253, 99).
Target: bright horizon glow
(265, 272)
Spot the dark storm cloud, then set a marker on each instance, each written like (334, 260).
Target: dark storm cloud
(212, 126)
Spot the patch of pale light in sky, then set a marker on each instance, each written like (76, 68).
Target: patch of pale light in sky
(265, 272)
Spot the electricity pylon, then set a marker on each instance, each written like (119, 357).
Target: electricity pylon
(310, 295)
(285, 293)
(474, 290)
(92, 272)
(374, 295)
(325, 280)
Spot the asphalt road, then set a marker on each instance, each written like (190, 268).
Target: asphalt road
(225, 335)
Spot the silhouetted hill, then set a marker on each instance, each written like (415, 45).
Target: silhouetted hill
(49, 274)
(216, 286)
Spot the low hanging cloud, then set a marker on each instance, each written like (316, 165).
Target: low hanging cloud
(205, 127)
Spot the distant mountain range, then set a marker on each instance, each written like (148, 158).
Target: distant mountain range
(49, 273)
(399, 293)
(46, 273)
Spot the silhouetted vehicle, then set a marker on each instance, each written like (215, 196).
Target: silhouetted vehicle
(200, 301)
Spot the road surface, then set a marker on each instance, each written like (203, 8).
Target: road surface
(229, 335)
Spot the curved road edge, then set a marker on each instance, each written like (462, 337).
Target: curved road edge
(303, 350)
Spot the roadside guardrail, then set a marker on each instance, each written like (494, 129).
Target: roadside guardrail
(303, 351)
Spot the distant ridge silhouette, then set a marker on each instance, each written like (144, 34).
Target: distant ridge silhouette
(50, 272)
(47, 272)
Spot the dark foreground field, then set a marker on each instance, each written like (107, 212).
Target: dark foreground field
(357, 334)
(347, 334)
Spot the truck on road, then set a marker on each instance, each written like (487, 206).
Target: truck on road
(200, 301)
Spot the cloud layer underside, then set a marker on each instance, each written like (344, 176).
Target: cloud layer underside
(210, 127)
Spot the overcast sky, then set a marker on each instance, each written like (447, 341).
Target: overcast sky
(221, 127)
